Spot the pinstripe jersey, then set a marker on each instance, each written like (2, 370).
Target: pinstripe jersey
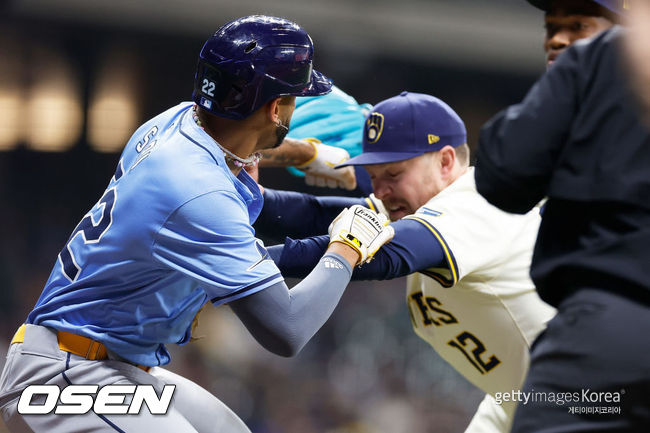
(482, 313)
(171, 232)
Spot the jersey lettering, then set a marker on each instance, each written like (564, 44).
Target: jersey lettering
(446, 317)
(468, 344)
(90, 231)
(145, 146)
(432, 304)
(119, 171)
(475, 359)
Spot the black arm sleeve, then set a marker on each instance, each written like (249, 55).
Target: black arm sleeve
(519, 148)
(284, 320)
(414, 248)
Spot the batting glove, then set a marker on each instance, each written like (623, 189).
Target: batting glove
(377, 205)
(320, 171)
(362, 229)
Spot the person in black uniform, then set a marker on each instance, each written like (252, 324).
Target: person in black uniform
(577, 139)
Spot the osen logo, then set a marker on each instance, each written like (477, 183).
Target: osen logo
(374, 127)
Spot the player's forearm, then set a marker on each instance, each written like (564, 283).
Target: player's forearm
(296, 258)
(494, 184)
(299, 215)
(290, 153)
(413, 248)
(284, 320)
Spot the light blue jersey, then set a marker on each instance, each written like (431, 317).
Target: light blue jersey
(171, 232)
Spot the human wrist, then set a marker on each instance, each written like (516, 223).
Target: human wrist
(348, 253)
(309, 151)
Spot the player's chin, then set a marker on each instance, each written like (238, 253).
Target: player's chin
(399, 213)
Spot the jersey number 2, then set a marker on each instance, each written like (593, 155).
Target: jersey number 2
(90, 231)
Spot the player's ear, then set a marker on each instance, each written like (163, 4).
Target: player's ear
(273, 109)
(447, 159)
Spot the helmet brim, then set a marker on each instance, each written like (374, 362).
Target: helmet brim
(319, 85)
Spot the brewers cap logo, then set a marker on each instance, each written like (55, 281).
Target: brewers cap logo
(374, 127)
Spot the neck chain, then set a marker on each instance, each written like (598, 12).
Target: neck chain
(251, 161)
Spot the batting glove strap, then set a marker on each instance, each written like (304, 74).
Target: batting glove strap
(362, 229)
(320, 171)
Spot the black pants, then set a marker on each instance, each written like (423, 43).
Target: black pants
(590, 369)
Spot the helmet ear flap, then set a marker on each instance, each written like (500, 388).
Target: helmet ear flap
(217, 90)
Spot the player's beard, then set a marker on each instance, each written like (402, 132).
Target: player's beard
(281, 131)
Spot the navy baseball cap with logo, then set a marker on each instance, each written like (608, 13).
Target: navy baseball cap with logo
(406, 126)
(617, 6)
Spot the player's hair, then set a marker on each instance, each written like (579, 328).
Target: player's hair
(462, 154)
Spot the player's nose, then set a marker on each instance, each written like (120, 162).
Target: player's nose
(560, 40)
(381, 189)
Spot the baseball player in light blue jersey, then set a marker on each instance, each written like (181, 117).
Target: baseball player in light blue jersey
(172, 232)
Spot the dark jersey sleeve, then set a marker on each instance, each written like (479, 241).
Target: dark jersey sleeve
(576, 136)
(519, 147)
(298, 215)
(414, 248)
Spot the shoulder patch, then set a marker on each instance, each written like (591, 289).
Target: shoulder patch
(427, 211)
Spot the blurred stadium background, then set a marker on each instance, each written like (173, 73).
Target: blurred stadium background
(78, 76)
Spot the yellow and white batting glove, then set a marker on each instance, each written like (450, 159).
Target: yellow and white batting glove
(320, 171)
(377, 205)
(362, 229)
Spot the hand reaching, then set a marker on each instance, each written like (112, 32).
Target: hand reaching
(320, 171)
(362, 229)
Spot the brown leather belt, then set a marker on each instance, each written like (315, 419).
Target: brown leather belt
(77, 344)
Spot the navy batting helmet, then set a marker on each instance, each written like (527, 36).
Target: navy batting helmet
(616, 6)
(250, 61)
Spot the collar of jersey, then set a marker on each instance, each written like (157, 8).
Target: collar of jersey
(465, 181)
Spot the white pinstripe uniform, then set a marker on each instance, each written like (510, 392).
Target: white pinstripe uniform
(482, 313)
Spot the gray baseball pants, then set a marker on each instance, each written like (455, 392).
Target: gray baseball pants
(38, 360)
